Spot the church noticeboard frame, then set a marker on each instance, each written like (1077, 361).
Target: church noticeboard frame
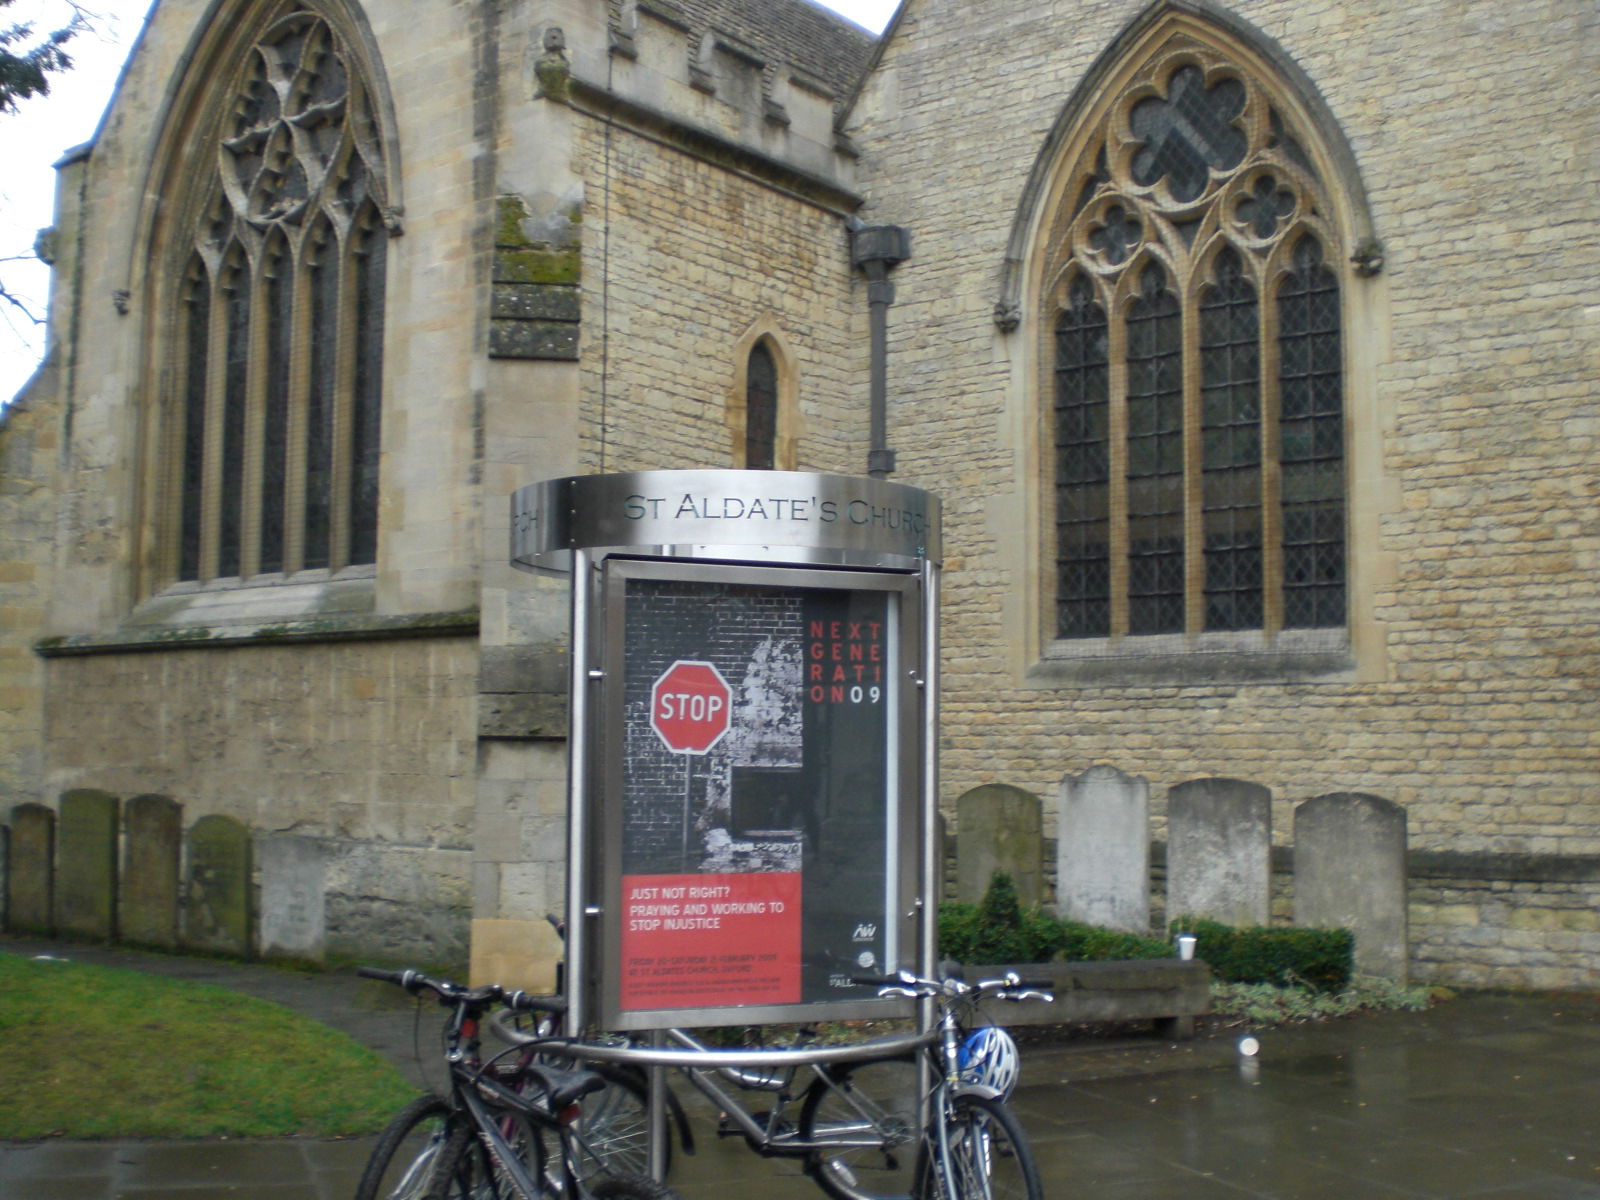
(746, 881)
(752, 757)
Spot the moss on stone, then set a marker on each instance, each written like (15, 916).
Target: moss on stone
(519, 258)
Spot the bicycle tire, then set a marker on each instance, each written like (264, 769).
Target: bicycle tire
(399, 1167)
(990, 1157)
(614, 1130)
(881, 1094)
(631, 1187)
(466, 1170)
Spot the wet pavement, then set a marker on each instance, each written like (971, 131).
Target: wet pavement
(1483, 1096)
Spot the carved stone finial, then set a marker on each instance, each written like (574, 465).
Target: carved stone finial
(393, 216)
(44, 246)
(552, 72)
(1368, 258)
(1007, 315)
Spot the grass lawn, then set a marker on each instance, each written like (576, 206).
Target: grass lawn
(97, 1052)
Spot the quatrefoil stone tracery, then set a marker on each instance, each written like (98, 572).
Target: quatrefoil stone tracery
(1264, 207)
(1117, 235)
(289, 124)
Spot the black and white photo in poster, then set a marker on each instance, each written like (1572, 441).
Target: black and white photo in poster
(758, 737)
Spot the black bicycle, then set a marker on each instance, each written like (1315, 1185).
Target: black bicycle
(512, 1126)
(912, 1117)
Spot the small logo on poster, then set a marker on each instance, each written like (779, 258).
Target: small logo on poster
(865, 959)
(865, 932)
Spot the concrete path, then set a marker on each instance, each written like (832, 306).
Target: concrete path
(1481, 1097)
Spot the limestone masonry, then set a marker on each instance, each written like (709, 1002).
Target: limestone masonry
(503, 243)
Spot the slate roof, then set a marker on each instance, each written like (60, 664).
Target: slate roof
(799, 34)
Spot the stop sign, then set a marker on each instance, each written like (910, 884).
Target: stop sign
(690, 706)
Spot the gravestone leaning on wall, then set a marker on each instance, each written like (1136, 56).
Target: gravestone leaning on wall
(217, 895)
(31, 879)
(998, 828)
(86, 873)
(1219, 851)
(152, 848)
(1103, 849)
(1350, 872)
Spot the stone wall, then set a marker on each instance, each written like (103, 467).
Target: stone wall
(698, 259)
(28, 444)
(367, 746)
(1470, 694)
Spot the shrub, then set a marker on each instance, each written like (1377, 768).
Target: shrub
(997, 930)
(1000, 930)
(1267, 1004)
(1321, 959)
(1091, 943)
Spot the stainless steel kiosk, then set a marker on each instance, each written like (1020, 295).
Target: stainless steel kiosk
(753, 740)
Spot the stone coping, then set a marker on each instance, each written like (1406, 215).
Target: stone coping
(331, 628)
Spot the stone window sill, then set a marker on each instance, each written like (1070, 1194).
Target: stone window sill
(313, 606)
(1293, 656)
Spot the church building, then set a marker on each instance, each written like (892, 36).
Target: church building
(1260, 397)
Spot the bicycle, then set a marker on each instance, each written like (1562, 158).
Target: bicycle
(972, 1146)
(860, 1127)
(511, 1127)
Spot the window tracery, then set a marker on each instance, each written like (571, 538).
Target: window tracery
(1196, 347)
(280, 321)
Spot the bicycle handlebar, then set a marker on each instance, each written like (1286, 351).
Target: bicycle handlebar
(415, 982)
(1011, 987)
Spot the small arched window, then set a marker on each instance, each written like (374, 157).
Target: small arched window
(278, 369)
(1196, 363)
(761, 409)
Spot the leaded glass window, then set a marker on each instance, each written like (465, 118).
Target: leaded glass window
(761, 409)
(1197, 364)
(1083, 466)
(278, 397)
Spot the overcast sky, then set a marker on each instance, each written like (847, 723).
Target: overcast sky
(35, 137)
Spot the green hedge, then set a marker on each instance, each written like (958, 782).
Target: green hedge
(1323, 959)
(1000, 930)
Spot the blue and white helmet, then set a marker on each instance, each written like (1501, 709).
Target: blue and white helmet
(989, 1057)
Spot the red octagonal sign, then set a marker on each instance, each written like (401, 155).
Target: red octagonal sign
(690, 707)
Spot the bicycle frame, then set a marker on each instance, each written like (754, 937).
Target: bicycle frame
(937, 1049)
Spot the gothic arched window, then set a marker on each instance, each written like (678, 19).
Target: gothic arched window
(1195, 362)
(761, 409)
(278, 368)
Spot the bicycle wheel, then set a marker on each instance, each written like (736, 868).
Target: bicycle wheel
(613, 1133)
(401, 1164)
(872, 1103)
(989, 1156)
(631, 1187)
(467, 1170)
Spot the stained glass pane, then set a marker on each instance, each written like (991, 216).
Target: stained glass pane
(235, 406)
(279, 284)
(1188, 132)
(197, 337)
(367, 403)
(1083, 467)
(1230, 402)
(1312, 453)
(322, 279)
(1155, 459)
(761, 409)
(300, 147)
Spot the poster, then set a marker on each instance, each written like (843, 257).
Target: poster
(759, 770)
